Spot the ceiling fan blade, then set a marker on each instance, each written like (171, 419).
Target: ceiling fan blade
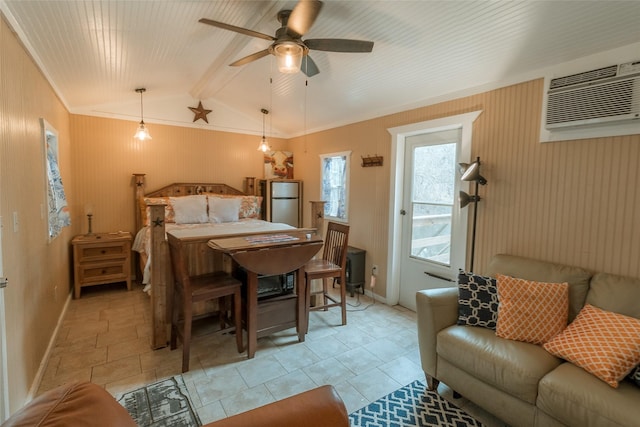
(339, 45)
(250, 58)
(309, 67)
(302, 17)
(240, 30)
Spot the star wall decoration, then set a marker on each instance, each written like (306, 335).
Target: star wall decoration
(200, 112)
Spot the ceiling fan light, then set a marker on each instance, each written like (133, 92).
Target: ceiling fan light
(288, 57)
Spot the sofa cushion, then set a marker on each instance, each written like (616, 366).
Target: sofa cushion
(477, 300)
(531, 311)
(575, 397)
(615, 293)
(512, 366)
(543, 271)
(604, 343)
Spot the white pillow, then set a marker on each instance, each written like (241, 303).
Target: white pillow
(190, 209)
(223, 209)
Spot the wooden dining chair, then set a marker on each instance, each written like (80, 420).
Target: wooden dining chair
(189, 290)
(332, 265)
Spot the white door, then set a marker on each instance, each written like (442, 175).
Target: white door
(433, 235)
(427, 230)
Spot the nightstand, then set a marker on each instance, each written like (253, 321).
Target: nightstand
(101, 258)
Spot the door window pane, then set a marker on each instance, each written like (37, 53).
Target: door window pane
(432, 201)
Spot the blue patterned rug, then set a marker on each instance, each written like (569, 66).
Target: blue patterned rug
(412, 405)
(162, 404)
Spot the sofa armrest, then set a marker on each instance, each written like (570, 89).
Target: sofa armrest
(76, 404)
(319, 407)
(436, 309)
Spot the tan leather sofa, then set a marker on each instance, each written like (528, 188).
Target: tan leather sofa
(87, 404)
(521, 383)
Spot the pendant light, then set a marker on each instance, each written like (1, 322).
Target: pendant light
(264, 144)
(142, 133)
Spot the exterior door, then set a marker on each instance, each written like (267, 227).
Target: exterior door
(418, 258)
(433, 236)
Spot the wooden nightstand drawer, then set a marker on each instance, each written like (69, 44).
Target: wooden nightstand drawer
(104, 272)
(103, 251)
(101, 258)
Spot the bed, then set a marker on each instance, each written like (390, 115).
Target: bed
(199, 212)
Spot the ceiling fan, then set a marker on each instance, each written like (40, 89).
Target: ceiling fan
(288, 46)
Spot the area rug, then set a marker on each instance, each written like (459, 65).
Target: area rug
(412, 405)
(165, 403)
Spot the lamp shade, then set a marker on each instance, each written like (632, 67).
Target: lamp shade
(472, 172)
(288, 57)
(465, 199)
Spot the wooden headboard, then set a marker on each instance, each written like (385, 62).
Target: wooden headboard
(176, 190)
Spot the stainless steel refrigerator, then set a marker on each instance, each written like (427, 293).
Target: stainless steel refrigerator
(283, 201)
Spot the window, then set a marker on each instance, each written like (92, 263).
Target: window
(56, 200)
(334, 178)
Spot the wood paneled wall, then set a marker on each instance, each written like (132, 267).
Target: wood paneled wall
(106, 155)
(38, 270)
(571, 202)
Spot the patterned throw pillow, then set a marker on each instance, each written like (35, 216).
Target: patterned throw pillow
(601, 342)
(531, 311)
(477, 300)
(635, 375)
(250, 206)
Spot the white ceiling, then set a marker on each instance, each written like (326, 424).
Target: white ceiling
(95, 53)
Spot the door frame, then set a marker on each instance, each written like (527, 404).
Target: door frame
(4, 372)
(398, 136)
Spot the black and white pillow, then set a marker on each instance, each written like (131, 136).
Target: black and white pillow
(635, 375)
(477, 300)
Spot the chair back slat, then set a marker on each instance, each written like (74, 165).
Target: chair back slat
(335, 243)
(178, 262)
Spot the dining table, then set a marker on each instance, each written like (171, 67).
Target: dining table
(269, 255)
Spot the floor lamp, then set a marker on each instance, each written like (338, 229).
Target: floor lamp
(471, 172)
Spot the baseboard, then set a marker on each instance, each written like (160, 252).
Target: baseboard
(372, 295)
(47, 354)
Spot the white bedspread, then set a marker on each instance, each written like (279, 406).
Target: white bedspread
(142, 242)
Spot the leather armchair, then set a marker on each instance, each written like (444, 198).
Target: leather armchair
(87, 404)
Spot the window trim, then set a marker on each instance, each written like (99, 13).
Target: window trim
(347, 181)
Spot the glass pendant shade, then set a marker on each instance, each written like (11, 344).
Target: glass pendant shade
(142, 133)
(264, 145)
(288, 57)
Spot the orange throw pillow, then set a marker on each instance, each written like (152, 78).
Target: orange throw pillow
(531, 311)
(601, 342)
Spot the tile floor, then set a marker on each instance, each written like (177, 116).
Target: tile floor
(105, 337)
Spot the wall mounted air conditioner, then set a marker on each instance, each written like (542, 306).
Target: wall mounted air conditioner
(594, 98)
